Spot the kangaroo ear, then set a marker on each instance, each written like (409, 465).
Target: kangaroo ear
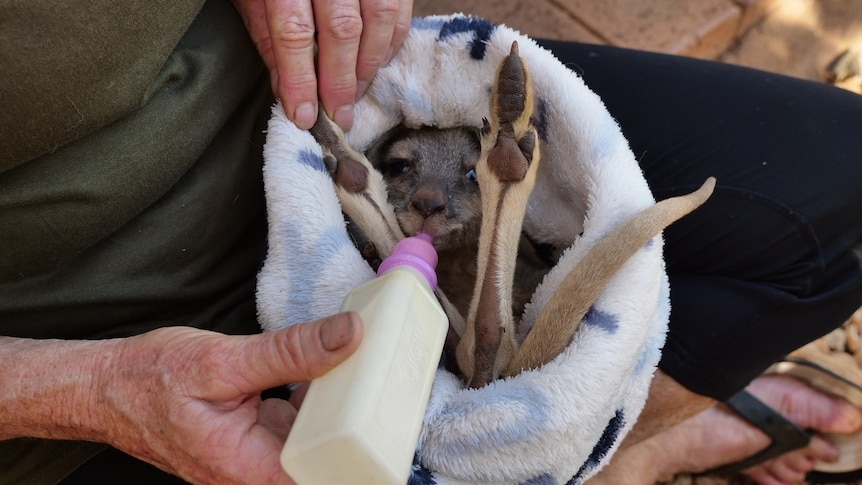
(377, 151)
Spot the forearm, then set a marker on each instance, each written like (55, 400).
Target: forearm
(50, 388)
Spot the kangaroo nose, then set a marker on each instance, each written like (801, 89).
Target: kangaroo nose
(429, 202)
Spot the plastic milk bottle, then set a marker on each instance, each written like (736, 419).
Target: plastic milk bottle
(360, 422)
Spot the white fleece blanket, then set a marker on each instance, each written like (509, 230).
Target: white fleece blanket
(555, 425)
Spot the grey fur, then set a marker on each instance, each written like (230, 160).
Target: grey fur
(429, 173)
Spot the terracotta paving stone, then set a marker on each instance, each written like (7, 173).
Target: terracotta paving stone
(536, 18)
(801, 37)
(796, 37)
(753, 11)
(704, 27)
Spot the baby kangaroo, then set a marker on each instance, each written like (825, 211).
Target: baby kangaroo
(430, 175)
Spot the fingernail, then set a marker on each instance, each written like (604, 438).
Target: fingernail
(337, 331)
(389, 54)
(344, 117)
(361, 87)
(304, 116)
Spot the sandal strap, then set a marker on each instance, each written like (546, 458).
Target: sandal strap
(786, 436)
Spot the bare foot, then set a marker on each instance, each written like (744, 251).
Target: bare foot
(718, 436)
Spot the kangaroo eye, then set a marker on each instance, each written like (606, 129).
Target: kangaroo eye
(397, 166)
(471, 176)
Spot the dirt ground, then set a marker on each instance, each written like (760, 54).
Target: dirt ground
(802, 38)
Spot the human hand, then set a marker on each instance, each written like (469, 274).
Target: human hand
(188, 400)
(354, 39)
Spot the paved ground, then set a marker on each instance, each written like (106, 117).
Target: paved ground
(795, 37)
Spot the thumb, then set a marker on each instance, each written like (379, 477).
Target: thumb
(298, 353)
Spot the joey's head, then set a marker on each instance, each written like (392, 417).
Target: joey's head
(431, 178)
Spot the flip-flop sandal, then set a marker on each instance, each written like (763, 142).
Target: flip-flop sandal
(810, 367)
(786, 436)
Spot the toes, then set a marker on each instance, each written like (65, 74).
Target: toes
(527, 143)
(511, 91)
(786, 469)
(808, 407)
(821, 449)
(767, 476)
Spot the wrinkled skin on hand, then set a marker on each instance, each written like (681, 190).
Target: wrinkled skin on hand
(188, 400)
(354, 39)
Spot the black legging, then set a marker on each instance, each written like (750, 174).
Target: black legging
(772, 260)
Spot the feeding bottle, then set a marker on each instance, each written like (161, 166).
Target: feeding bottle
(360, 422)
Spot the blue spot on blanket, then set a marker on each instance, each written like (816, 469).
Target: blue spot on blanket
(311, 159)
(420, 475)
(540, 118)
(534, 413)
(603, 320)
(481, 29)
(305, 269)
(649, 355)
(544, 479)
(603, 446)
(427, 23)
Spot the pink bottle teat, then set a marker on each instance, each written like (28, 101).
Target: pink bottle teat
(417, 252)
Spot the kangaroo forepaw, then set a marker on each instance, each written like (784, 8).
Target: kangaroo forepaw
(360, 189)
(343, 162)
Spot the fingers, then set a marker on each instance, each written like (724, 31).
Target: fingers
(298, 394)
(291, 28)
(294, 354)
(310, 350)
(339, 31)
(354, 39)
(402, 28)
(380, 18)
(277, 415)
(375, 51)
